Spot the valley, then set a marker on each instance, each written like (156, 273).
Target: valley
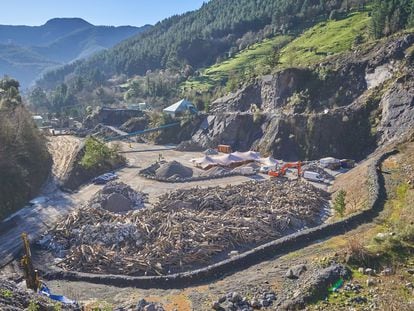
(248, 155)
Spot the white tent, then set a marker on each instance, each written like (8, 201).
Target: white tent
(227, 159)
(248, 155)
(269, 161)
(179, 107)
(204, 162)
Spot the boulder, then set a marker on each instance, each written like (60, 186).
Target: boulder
(295, 271)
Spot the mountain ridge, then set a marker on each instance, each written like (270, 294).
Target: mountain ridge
(57, 42)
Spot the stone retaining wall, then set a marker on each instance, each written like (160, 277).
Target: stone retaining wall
(377, 196)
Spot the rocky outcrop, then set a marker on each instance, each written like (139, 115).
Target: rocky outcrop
(397, 107)
(239, 130)
(344, 107)
(342, 132)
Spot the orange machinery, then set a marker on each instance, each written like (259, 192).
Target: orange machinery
(282, 171)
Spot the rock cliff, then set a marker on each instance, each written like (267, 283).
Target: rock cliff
(345, 107)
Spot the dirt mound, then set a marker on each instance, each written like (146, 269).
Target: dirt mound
(63, 149)
(173, 169)
(76, 174)
(118, 197)
(187, 228)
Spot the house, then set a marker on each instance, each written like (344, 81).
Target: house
(180, 108)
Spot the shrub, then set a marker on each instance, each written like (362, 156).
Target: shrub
(96, 153)
(357, 253)
(339, 202)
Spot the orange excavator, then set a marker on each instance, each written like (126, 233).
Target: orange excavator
(282, 171)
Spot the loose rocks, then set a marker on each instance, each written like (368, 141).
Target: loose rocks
(117, 197)
(173, 169)
(233, 301)
(296, 271)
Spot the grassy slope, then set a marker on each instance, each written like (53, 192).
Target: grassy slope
(248, 58)
(395, 251)
(315, 44)
(324, 39)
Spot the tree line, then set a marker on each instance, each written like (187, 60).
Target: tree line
(24, 159)
(391, 16)
(200, 37)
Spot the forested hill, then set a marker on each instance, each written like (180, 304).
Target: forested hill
(26, 51)
(200, 37)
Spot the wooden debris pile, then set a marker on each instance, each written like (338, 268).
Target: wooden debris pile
(187, 228)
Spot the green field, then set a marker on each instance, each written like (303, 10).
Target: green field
(324, 39)
(244, 60)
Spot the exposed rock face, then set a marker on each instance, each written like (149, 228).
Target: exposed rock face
(397, 107)
(345, 107)
(236, 129)
(341, 133)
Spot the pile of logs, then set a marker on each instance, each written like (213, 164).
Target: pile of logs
(186, 228)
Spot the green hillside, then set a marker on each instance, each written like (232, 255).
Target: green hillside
(324, 39)
(247, 59)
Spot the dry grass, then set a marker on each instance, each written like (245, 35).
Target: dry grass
(354, 183)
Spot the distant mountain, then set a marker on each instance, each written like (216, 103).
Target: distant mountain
(199, 38)
(27, 51)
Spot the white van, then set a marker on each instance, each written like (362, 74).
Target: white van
(313, 176)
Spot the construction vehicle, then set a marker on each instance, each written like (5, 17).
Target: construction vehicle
(282, 171)
(30, 274)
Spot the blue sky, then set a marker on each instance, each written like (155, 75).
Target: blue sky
(97, 12)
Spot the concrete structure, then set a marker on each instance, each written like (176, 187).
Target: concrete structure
(139, 106)
(179, 108)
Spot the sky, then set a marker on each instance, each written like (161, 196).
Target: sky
(97, 12)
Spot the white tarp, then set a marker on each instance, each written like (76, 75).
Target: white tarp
(248, 155)
(269, 161)
(203, 162)
(233, 158)
(227, 159)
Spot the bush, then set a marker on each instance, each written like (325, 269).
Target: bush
(97, 153)
(339, 202)
(357, 254)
